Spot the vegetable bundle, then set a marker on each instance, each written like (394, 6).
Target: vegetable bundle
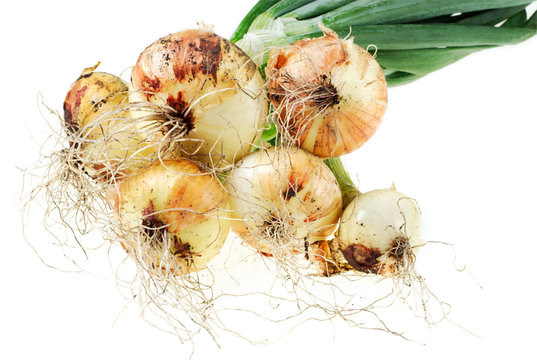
(200, 142)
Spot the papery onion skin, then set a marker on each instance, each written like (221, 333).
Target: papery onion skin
(211, 86)
(380, 232)
(330, 94)
(178, 196)
(281, 187)
(105, 140)
(90, 96)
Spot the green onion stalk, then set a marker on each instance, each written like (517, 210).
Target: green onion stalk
(410, 38)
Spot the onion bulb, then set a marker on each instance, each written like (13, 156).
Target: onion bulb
(380, 232)
(211, 88)
(173, 215)
(105, 140)
(330, 94)
(283, 200)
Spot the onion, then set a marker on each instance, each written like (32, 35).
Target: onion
(105, 140)
(330, 94)
(91, 95)
(212, 89)
(380, 232)
(173, 215)
(283, 200)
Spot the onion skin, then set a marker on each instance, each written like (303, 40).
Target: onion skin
(283, 185)
(380, 232)
(92, 95)
(211, 86)
(330, 94)
(328, 259)
(105, 140)
(176, 195)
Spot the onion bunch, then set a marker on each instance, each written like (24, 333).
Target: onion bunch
(329, 95)
(143, 161)
(193, 93)
(208, 138)
(158, 148)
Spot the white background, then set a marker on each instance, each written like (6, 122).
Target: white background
(461, 141)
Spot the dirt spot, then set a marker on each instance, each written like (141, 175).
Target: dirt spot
(362, 258)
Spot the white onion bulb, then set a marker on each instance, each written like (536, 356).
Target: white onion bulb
(380, 232)
(283, 199)
(330, 94)
(105, 139)
(212, 89)
(173, 215)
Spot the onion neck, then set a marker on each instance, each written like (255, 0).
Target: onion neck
(348, 190)
(266, 33)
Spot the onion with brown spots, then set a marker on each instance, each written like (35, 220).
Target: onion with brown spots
(212, 89)
(330, 94)
(380, 232)
(104, 138)
(173, 216)
(283, 200)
